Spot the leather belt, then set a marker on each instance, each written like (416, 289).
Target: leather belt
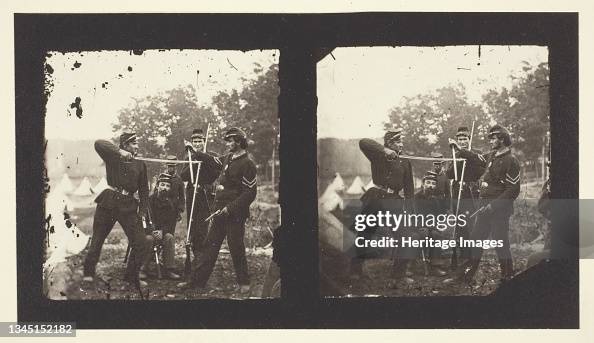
(120, 190)
(385, 189)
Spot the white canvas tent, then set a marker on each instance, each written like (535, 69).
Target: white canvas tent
(369, 185)
(100, 186)
(336, 186)
(66, 184)
(330, 201)
(357, 187)
(84, 189)
(338, 183)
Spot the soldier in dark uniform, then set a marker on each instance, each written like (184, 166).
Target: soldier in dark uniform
(429, 200)
(235, 193)
(176, 193)
(469, 196)
(164, 214)
(126, 177)
(390, 175)
(500, 186)
(442, 187)
(210, 169)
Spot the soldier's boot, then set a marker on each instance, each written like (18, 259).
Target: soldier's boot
(437, 271)
(132, 282)
(169, 274)
(190, 285)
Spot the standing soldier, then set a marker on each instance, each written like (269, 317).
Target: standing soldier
(176, 194)
(126, 177)
(500, 186)
(164, 213)
(209, 171)
(237, 190)
(390, 175)
(473, 170)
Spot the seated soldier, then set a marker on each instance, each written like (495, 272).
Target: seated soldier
(429, 200)
(164, 214)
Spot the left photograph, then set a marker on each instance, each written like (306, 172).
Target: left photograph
(162, 173)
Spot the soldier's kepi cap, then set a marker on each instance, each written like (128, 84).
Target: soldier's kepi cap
(393, 135)
(171, 158)
(127, 137)
(430, 175)
(500, 132)
(235, 132)
(164, 177)
(198, 133)
(463, 131)
(437, 155)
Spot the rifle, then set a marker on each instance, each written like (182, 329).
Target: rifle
(128, 250)
(188, 262)
(214, 214)
(156, 245)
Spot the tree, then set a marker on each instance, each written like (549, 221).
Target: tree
(524, 110)
(255, 110)
(428, 120)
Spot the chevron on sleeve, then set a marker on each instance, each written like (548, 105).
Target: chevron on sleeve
(512, 180)
(248, 183)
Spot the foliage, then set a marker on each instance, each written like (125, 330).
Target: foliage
(430, 119)
(162, 121)
(524, 110)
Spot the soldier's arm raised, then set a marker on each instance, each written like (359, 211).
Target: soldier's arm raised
(211, 168)
(372, 149)
(248, 190)
(107, 150)
(474, 157)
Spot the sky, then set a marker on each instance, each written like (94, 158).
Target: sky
(358, 86)
(106, 81)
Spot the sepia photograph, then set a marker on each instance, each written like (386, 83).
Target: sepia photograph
(416, 164)
(433, 168)
(162, 173)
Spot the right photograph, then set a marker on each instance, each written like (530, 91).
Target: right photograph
(433, 168)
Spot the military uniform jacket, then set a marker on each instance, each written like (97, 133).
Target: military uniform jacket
(239, 184)
(395, 174)
(443, 190)
(501, 182)
(209, 170)
(128, 175)
(472, 172)
(177, 195)
(429, 203)
(163, 213)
